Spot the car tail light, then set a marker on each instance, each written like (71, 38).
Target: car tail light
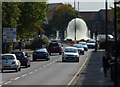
(24, 58)
(13, 62)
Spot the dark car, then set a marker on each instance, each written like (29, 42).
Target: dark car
(41, 54)
(23, 58)
(55, 47)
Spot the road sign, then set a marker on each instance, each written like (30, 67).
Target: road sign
(9, 34)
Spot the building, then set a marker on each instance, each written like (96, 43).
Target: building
(96, 20)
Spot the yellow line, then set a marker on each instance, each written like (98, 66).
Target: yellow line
(77, 72)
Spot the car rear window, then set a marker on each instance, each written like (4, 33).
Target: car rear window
(71, 50)
(54, 45)
(19, 54)
(4, 57)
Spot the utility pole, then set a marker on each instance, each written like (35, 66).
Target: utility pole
(106, 23)
(115, 30)
(75, 21)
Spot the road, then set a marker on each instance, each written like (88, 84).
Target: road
(52, 72)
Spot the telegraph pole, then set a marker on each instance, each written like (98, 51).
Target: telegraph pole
(75, 21)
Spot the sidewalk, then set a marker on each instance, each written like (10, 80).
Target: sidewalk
(92, 75)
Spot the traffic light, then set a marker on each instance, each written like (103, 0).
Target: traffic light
(39, 33)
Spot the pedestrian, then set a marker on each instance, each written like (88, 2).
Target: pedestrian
(20, 45)
(105, 61)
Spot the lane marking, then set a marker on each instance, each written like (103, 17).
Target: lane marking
(24, 75)
(30, 73)
(8, 82)
(16, 78)
(36, 70)
(77, 73)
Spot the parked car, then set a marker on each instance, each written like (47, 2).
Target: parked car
(23, 58)
(84, 45)
(70, 54)
(10, 62)
(91, 44)
(41, 53)
(55, 47)
(80, 48)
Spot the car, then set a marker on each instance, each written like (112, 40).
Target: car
(80, 48)
(55, 47)
(84, 45)
(10, 62)
(91, 44)
(41, 53)
(70, 54)
(23, 57)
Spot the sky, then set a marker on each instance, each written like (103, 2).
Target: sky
(86, 5)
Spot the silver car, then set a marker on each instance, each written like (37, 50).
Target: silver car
(10, 62)
(84, 45)
(70, 54)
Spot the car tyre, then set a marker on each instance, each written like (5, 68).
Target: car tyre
(26, 66)
(17, 69)
(20, 69)
(2, 70)
(29, 65)
(60, 53)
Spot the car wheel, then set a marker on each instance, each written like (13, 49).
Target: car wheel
(26, 66)
(50, 53)
(29, 65)
(34, 59)
(60, 53)
(2, 70)
(77, 61)
(83, 53)
(63, 60)
(16, 69)
(20, 69)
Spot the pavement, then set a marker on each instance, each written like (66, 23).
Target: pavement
(92, 74)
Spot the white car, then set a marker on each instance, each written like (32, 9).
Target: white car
(91, 44)
(80, 48)
(70, 54)
(84, 45)
(10, 62)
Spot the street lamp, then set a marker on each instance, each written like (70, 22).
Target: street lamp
(106, 23)
(75, 21)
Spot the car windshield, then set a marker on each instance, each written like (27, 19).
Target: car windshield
(19, 54)
(54, 45)
(5, 57)
(40, 50)
(83, 43)
(71, 50)
(78, 46)
(91, 42)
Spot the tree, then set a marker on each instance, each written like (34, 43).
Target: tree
(32, 15)
(10, 14)
(62, 15)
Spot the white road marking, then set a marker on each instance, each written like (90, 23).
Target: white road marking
(24, 75)
(30, 73)
(36, 70)
(16, 78)
(8, 82)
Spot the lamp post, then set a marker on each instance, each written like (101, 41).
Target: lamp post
(75, 20)
(106, 22)
(115, 31)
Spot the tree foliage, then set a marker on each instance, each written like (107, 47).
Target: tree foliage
(32, 15)
(62, 15)
(10, 14)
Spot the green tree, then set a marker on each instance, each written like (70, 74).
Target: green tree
(32, 15)
(62, 15)
(10, 14)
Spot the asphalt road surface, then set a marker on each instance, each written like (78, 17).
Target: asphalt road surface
(52, 72)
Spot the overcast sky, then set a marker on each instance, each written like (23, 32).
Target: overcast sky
(85, 5)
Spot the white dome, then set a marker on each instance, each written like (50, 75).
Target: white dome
(81, 29)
